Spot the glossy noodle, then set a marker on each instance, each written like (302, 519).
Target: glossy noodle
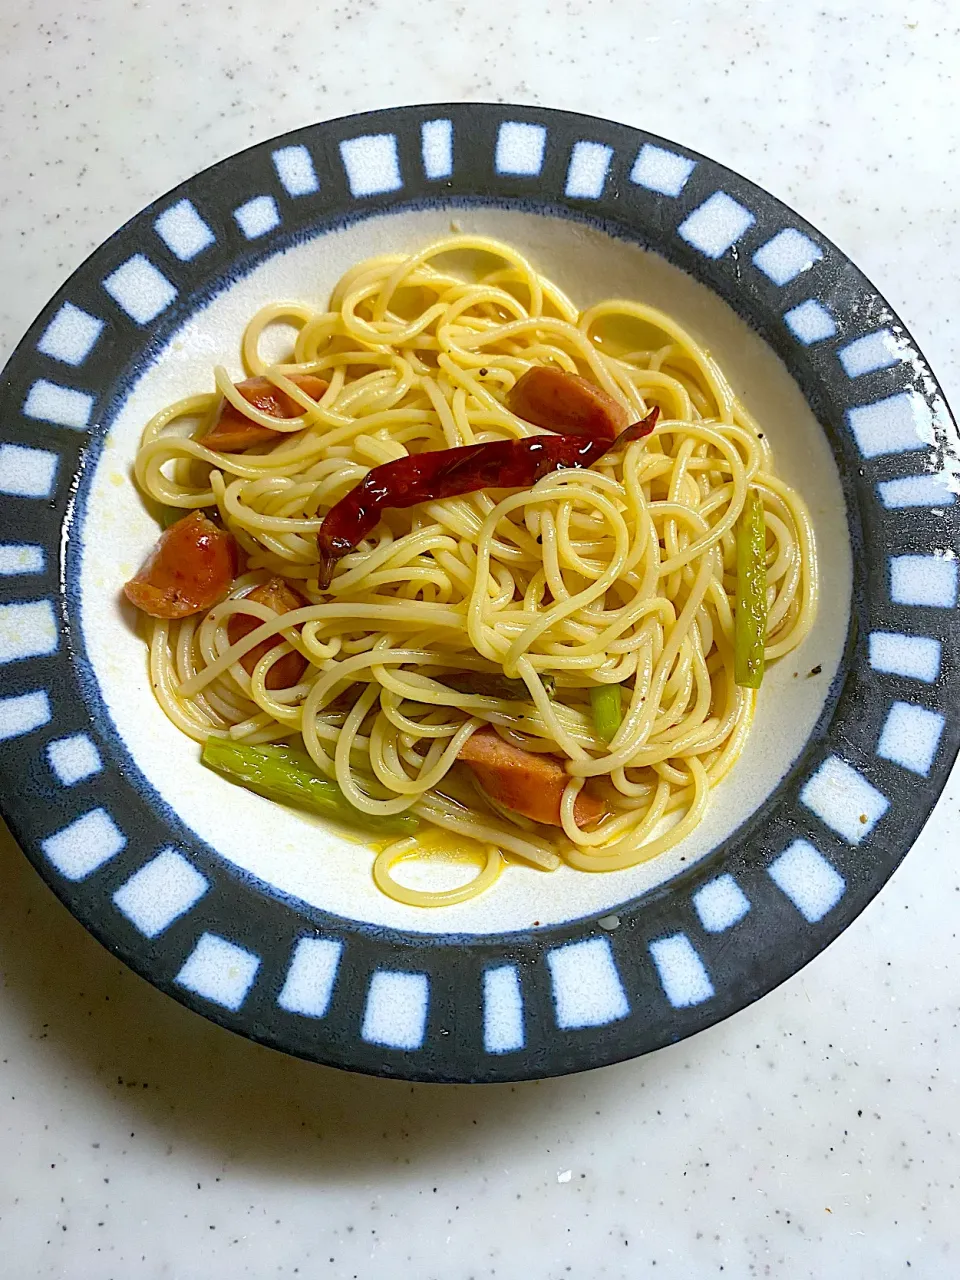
(623, 574)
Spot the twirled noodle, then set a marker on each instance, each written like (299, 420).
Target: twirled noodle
(624, 573)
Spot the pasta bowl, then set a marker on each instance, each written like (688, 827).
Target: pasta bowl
(265, 920)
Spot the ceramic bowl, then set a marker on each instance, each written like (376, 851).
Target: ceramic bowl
(260, 918)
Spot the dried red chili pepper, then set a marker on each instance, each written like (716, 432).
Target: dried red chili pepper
(448, 473)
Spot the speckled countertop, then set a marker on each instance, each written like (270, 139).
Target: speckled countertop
(816, 1134)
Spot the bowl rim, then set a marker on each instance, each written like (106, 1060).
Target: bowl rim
(505, 1007)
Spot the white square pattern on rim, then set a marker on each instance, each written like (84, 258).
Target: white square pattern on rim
(931, 490)
(308, 986)
(844, 800)
(661, 171)
(910, 737)
(85, 845)
(257, 217)
(810, 322)
(23, 713)
(876, 351)
(219, 971)
(808, 880)
(587, 991)
(924, 580)
(502, 1010)
(21, 558)
(786, 255)
(684, 980)
(589, 164)
(160, 892)
(74, 759)
(139, 289)
(917, 657)
(436, 145)
(720, 904)
(396, 1010)
(183, 231)
(26, 472)
(70, 336)
(716, 225)
(63, 406)
(897, 424)
(295, 170)
(27, 630)
(520, 148)
(372, 164)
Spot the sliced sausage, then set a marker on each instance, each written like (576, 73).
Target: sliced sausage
(278, 595)
(188, 571)
(521, 780)
(232, 432)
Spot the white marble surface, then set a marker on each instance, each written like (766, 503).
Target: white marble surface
(814, 1135)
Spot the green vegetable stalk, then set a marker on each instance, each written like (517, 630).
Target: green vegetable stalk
(607, 709)
(750, 622)
(289, 776)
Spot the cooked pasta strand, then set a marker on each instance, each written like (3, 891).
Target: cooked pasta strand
(622, 576)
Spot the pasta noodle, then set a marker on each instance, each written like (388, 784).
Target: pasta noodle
(621, 574)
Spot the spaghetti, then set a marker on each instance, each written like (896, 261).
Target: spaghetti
(621, 574)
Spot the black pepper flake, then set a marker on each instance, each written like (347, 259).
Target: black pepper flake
(814, 671)
(484, 372)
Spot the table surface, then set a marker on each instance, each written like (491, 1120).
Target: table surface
(815, 1134)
